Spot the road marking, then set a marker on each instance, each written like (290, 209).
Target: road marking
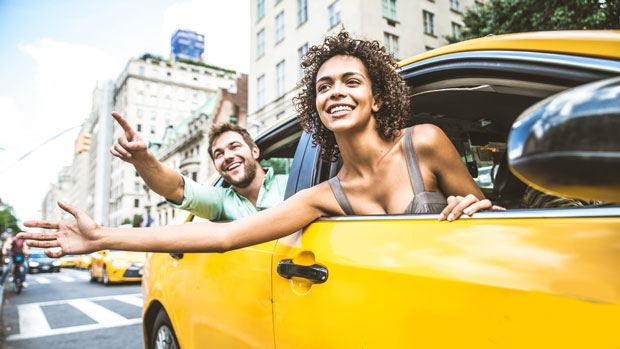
(133, 300)
(66, 278)
(31, 319)
(42, 280)
(83, 276)
(73, 329)
(101, 298)
(96, 312)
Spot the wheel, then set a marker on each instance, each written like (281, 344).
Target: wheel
(18, 285)
(92, 276)
(163, 336)
(106, 278)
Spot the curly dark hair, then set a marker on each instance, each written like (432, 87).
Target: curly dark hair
(388, 87)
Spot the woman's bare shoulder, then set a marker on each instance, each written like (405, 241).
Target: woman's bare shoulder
(428, 137)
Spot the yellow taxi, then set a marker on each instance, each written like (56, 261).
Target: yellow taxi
(116, 266)
(84, 261)
(531, 276)
(69, 261)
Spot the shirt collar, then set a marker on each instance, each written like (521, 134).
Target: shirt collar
(268, 178)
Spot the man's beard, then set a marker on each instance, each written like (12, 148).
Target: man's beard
(250, 173)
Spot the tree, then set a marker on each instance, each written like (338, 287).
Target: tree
(136, 220)
(514, 16)
(8, 221)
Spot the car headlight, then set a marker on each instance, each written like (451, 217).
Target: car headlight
(56, 263)
(33, 264)
(118, 263)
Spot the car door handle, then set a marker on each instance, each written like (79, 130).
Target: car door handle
(315, 273)
(177, 255)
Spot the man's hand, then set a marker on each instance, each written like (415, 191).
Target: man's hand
(77, 236)
(129, 146)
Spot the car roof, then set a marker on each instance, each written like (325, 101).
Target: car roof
(595, 43)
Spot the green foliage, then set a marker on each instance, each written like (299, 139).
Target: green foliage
(514, 16)
(8, 221)
(136, 220)
(126, 221)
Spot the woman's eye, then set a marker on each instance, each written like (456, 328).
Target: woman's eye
(322, 87)
(353, 82)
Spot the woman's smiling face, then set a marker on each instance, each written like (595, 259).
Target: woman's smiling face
(344, 96)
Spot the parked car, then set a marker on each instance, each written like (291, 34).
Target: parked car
(525, 277)
(39, 262)
(116, 266)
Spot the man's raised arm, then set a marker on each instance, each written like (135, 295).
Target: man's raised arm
(131, 148)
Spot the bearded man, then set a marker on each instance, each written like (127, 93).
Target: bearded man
(235, 156)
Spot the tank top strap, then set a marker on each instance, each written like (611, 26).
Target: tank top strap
(415, 176)
(341, 197)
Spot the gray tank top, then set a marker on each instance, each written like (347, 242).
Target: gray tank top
(423, 201)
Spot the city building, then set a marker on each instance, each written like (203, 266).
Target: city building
(153, 94)
(282, 31)
(59, 191)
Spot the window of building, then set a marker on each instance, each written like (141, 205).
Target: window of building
(280, 27)
(153, 115)
(181, 92)
(334, 13)
(136, 202)
(456, 30)
(136, 187)
(167, 102)
(260, 43)
(233, 119)
(429, 23)
(260, 10)
(455, 5)
(260, 91)
(139, 127)
(301, 52)
(280, 79)
(153, 100)
(391, 43)
(140, 85)
(389, 10)
(139, 113)
(153, 129)
(302, 11)
(194, 176)
(137, 174)
(280, 115)
(140, 98)
(168, 75)
(153, 87)
(141, 70)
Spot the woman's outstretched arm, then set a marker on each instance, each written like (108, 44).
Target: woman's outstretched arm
(83, 235)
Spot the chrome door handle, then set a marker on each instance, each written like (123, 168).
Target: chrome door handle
(317, 274)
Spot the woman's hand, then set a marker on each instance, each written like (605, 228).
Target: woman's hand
(77, 236)
(470, 204)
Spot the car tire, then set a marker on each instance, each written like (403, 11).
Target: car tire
(106, 278)
(92, 276)
(163, 336)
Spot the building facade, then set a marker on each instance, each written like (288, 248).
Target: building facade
(282, 31)
(153, 94)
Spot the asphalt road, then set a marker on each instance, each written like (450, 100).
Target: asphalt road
(66, 310)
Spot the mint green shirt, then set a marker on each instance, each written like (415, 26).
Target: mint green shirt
(225, 204)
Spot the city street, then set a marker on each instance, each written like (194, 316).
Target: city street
(66, 310)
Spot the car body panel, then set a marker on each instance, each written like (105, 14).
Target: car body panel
(407, 280)
(519, 278)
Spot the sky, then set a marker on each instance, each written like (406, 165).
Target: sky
(54, 52)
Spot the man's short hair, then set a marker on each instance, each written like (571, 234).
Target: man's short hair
(218, 129)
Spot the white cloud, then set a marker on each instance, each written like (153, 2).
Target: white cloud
(225, 25)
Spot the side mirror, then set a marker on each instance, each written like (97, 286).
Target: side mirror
(569, 144)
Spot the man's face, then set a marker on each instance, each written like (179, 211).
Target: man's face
(234, 159)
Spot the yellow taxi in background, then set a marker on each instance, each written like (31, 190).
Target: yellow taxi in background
(69, 261)
(84, 261)
(530, 276)
(116, 266)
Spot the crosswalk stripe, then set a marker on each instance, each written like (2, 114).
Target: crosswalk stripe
(66, 278)
(137, 301)
(72, 329)
(42, 280)
(97, 312)
(31, 319)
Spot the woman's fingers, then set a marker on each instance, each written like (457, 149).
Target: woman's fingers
(41, 224)
(42, 243)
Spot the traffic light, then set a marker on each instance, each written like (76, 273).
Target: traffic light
(83, 142)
